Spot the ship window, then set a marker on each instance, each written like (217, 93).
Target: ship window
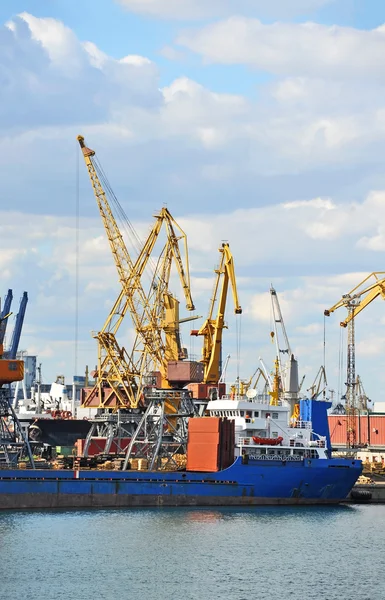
(12, 366)
(242, 413)
(256, 413)
(274, 415)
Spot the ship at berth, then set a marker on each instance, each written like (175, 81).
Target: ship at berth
(246, 453)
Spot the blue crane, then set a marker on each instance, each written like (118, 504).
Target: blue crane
(18, 328)
(4, 315)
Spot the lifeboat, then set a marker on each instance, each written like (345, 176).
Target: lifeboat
(268, 441)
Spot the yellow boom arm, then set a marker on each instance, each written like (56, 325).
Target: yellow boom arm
(212, 328)
(360, 297)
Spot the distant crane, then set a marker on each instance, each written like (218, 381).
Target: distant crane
(319, 384)
(362, 398)
(266, 374)
(288, 370)
(355, 301)
(252, 383)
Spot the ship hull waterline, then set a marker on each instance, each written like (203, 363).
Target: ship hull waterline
(271, 483)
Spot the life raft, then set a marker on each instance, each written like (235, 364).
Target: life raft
(268, 441)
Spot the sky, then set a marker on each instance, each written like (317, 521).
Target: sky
(257, 123)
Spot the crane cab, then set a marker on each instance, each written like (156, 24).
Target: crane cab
(11, 370)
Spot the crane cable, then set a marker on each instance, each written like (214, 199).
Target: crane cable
(125, 222)
(324, 346)
(77, 239)
(238, 323)
(340, 366)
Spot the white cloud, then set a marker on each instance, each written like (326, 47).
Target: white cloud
(295, 49)
(252, 172)
(65, 80)
(200, 9)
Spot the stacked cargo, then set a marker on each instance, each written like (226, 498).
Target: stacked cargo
(202, 391)
(98, 444)
(210, 444)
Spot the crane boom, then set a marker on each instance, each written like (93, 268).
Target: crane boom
(129, 275)
(278, 320)
(16, 334)
(4, 315)
(288, 370)
(212, 328)
(354, 297)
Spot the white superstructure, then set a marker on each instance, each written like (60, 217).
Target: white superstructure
(265, 431)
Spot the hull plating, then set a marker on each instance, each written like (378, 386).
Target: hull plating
(273, 482)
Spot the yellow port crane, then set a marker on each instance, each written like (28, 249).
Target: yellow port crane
(212, 328)
(355, 301)
(120, 376)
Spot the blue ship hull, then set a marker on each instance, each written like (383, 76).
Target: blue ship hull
(312, 481)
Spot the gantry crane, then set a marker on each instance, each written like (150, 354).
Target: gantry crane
(14, 444)
(121, 375)
(355, 301)
(212, 328)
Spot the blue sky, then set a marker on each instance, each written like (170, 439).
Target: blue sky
(260, 123)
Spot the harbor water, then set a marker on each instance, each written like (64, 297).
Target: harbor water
(303, 553)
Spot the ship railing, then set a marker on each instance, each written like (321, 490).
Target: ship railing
(301, 425)
(259, 398)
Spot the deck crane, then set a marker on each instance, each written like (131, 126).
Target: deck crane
(288, 370)
(120, 375)
(362, 398)
(355, 301)
(212, 328)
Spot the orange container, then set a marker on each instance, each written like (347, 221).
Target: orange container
(204, 425)
(202, 457)
(203, 437)
(370, 429)
(202, 391)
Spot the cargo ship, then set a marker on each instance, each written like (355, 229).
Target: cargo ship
(246, 452)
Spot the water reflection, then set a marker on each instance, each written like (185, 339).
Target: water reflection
(292, 552)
